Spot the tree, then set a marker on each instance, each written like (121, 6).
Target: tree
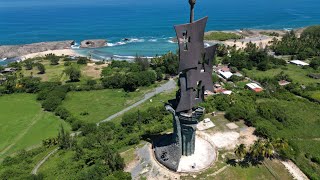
(240, 151)
(28, 64)
(73, 73)
(159, 74)
(64, 139)
(10, 84)
(82, 60)
(54, 60)
(30, 84)
(142, 62)
(131, 82)
(315, 63)
(41, 68)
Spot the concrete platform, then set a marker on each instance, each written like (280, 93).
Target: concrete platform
(232, 126)
(204, 125)
(204, 156)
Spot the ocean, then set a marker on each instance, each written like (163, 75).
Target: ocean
(147, 23)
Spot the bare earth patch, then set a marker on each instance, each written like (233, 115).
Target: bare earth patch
(225, 140)
(93, 70)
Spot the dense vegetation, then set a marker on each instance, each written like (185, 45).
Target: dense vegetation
(251, 57)
(221, 36)
(303, 47)
(93, 154)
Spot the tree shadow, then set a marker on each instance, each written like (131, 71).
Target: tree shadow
(232, 162)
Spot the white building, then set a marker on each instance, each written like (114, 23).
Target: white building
(299, 63)
(225, 75)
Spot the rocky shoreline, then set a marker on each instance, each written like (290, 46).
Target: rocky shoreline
(12, 51)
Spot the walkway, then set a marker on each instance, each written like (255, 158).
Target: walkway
(169, 86)
(35, 169)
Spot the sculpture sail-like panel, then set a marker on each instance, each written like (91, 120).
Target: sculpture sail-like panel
(195, 77)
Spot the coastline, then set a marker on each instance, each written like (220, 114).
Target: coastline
(22, 52)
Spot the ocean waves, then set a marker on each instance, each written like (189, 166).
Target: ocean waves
(125, 41)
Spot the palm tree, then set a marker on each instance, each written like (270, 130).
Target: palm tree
(254, 150)
(280, 143)
(269, 148)
(241, 151)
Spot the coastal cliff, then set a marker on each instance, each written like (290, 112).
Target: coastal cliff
(10, 51)
(21, 50)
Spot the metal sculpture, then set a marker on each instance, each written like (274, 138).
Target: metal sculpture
(195, 77)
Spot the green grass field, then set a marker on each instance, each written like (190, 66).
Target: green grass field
(221, 36)
(23, 124)
(22, 168)
(276, 171)
(54, 73)
(297, 74)
(315, 94)
(100, 104)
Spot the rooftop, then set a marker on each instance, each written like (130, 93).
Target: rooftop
(299, 63)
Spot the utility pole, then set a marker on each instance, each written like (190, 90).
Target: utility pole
(192, 3)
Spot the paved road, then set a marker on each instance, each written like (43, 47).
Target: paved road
(169, 86)
(35, 169)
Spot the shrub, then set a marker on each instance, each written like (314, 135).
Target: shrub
(73, 73)
(88, 128)
(76, 125)
(41, 68)
(133, 140)
(67, 63)
(82, 60)
(91, 82)
(62, 112)
(51, 103)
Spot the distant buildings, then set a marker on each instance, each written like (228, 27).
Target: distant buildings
(299, 63)
(226, 75)
(254, 87)
(283, 82)
(8, 70)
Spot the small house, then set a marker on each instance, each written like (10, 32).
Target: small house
(254, 87)
(283, 82)
(225, 74)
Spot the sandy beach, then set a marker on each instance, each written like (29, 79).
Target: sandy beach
(61, 52)
(260, 41)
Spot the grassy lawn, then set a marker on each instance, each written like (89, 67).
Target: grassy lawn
(256, 172)
(53, 72)
(315, 94)
(23, 168)
(58, 166)
(302, 129)
(297, 73)
(157, 100)
(101, 104)
(221, 36)
(23, 124)
(56, 72)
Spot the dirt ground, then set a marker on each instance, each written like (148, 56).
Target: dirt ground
(93, 70)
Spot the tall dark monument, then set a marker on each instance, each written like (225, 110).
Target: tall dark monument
(195, 77)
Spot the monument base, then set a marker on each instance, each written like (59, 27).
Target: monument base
(167, 152)
(167, 155)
